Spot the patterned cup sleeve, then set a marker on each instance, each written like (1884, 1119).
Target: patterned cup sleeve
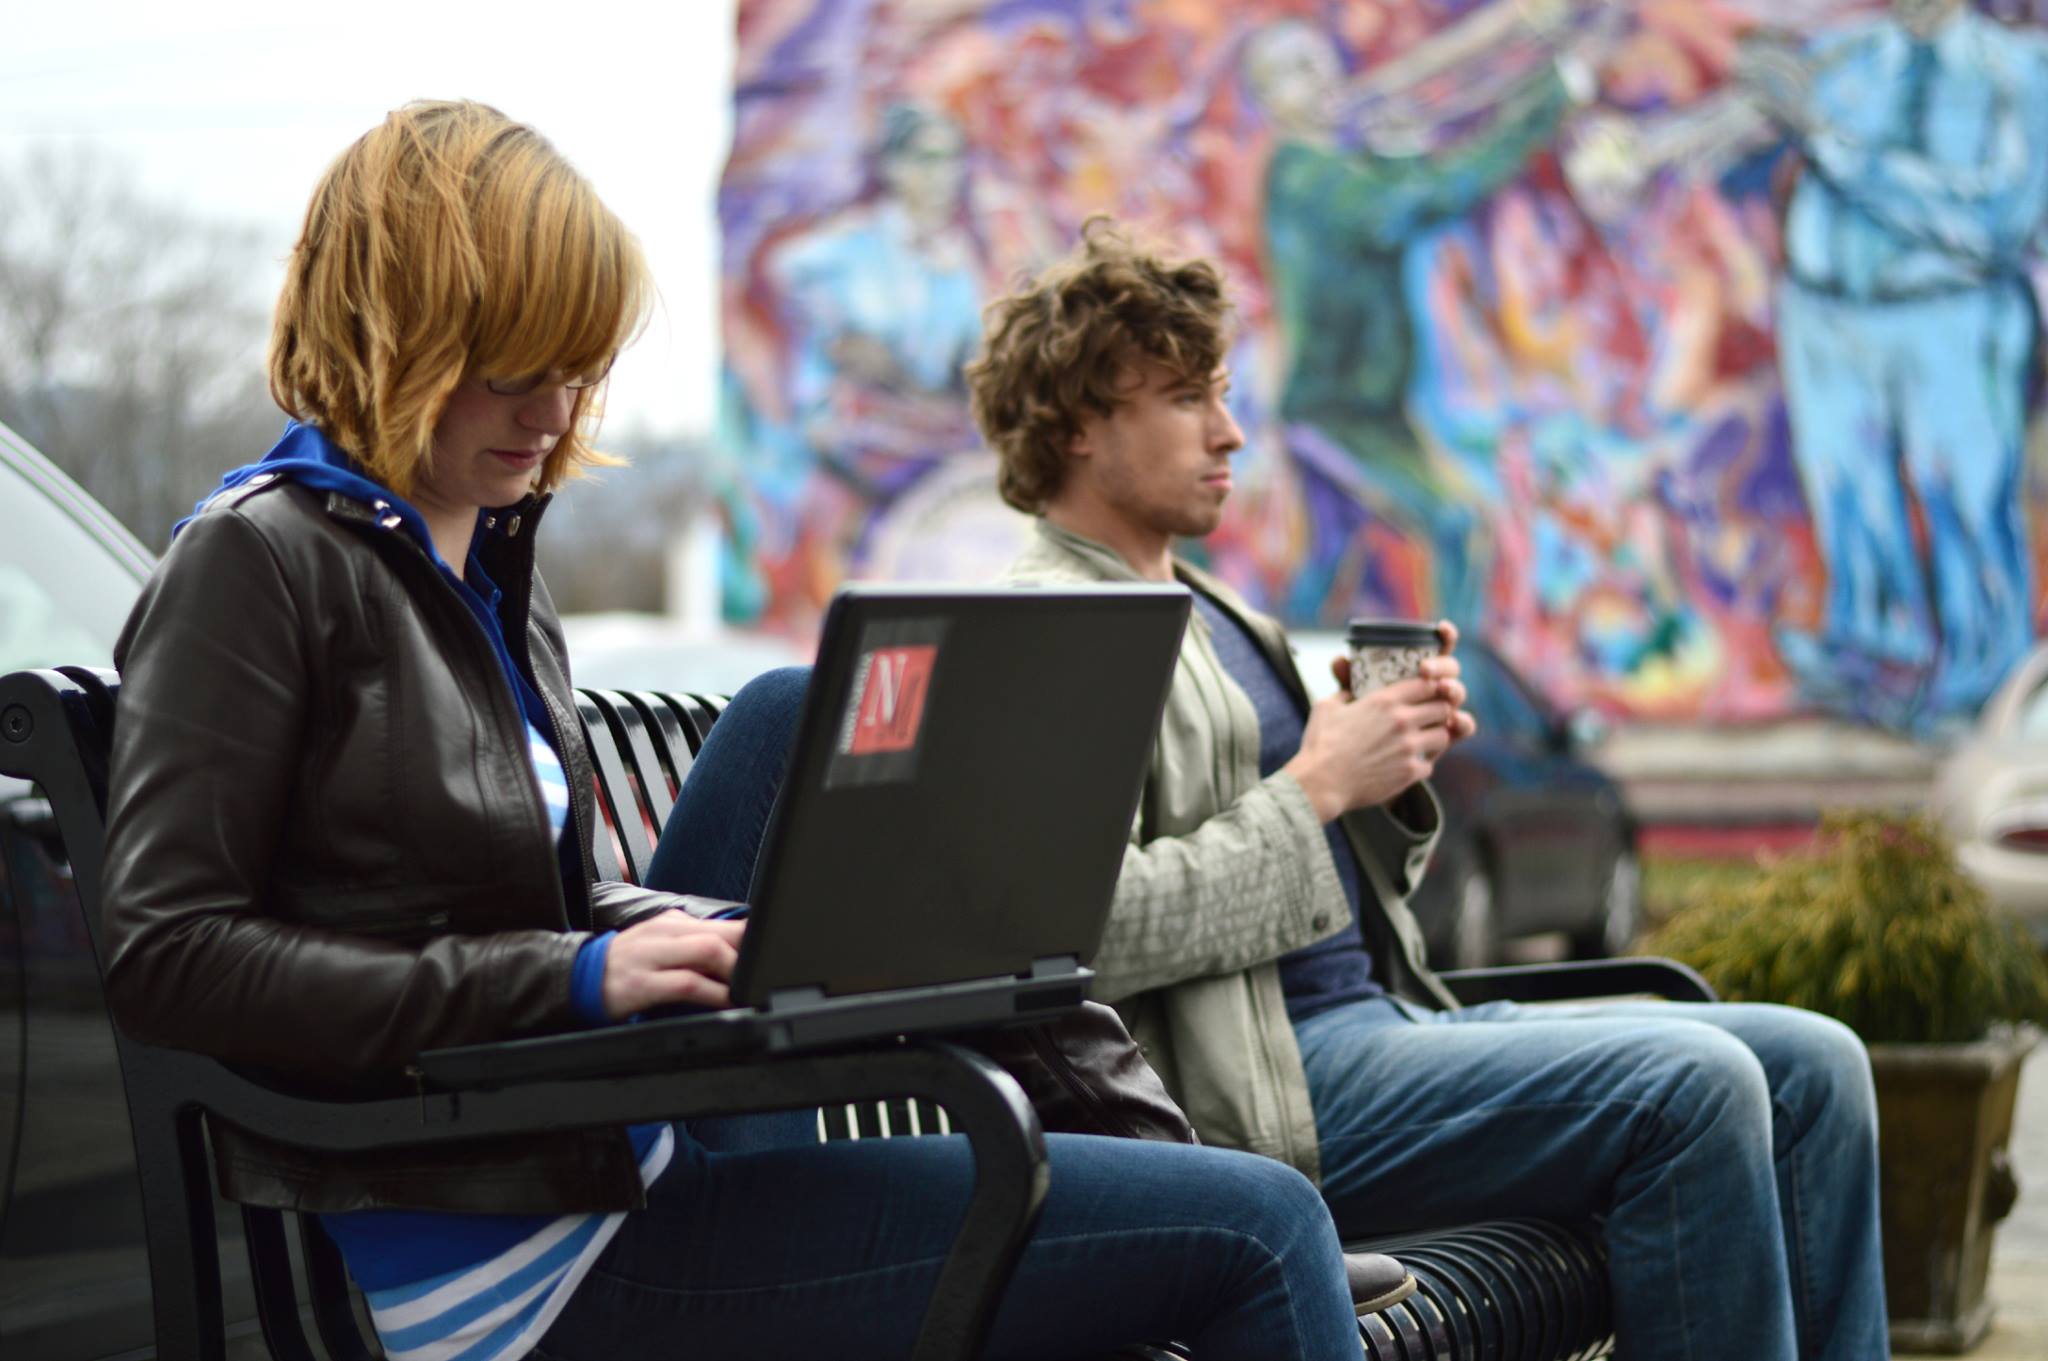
(1373, 667)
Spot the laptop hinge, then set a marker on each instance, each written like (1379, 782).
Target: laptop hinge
(1055, 966)
(782, 999)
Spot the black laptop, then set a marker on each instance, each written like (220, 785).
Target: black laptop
(963, 783)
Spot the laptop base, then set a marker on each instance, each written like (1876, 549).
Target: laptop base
(795, 1026)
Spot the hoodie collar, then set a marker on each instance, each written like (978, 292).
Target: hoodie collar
(307, 456)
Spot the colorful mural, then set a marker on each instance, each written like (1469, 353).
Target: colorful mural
(1686, 348)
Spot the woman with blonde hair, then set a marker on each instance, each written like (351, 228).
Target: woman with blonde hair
(350, 819)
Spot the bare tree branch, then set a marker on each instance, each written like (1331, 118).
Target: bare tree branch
(131, 336)
(131, 352)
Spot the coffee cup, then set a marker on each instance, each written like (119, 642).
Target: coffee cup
(1387, 650)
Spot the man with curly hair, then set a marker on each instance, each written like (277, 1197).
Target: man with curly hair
(1259, 945)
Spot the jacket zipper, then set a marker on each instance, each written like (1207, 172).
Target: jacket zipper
(579, 780)
(502, 696)
(579, 775)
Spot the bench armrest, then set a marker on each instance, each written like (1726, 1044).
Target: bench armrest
(1665, 978)
(984, 1103)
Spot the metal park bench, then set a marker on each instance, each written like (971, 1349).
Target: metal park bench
(1506, 1290)
(1503, 1291)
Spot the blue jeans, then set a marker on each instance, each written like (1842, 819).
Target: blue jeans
(1730, 1148)
(760, 1242)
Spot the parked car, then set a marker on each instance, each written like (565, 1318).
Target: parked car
(1536, 838)
(1992, 794)
(73, 1275)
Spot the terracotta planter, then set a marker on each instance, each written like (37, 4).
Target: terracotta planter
(1944, 1115)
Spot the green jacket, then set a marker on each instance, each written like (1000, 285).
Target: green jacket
(1225, 873)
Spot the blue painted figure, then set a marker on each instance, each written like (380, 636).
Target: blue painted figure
(1907, 333)
(885, 306)
(881, 304)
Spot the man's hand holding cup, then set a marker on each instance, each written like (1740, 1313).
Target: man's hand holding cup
(1400, 706)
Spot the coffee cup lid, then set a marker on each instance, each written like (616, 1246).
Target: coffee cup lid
(1392, 633)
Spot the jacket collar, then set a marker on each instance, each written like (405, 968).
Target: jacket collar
(1100, 560)
(1105, 563)
(505, 538)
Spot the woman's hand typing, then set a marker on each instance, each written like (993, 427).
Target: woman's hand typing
(669, 959)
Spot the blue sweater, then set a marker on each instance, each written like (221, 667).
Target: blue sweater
(1334, 971)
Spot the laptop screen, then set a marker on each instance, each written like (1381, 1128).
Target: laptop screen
(965, 778)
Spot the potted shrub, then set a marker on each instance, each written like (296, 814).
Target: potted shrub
(1878, 927)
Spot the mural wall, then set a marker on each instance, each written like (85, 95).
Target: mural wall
(1686, 348)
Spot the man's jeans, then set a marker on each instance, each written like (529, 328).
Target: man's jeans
(1732, 1150)
(759, 1242)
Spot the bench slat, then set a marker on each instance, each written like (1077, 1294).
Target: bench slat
(1470, 1314)
(1507, 1290)
(643, 764)
(630, 847)
(694, 721)
(665, 733)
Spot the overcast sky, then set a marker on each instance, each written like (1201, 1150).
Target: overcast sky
(233, 109)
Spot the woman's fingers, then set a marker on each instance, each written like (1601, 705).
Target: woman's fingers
(669, 959)
(679, 924)
(632, 986)
(707, 954)
(675, 940)
(674, 986)
(682, 923)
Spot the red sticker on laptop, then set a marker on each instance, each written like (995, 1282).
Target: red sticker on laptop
(888, 703)
(888, 706)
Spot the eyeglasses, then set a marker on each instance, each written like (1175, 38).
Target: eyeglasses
(519, 387)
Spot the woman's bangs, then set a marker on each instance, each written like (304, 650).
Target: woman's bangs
(575, 302)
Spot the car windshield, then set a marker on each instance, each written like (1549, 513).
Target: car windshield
(63, 596)
(1502, 706)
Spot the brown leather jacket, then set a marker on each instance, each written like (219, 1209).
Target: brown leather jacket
(326, 848)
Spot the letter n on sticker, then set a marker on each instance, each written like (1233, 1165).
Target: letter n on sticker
(888, 703)
(889, 707)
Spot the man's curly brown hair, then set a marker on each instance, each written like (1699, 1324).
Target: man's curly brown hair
(1063, 347)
